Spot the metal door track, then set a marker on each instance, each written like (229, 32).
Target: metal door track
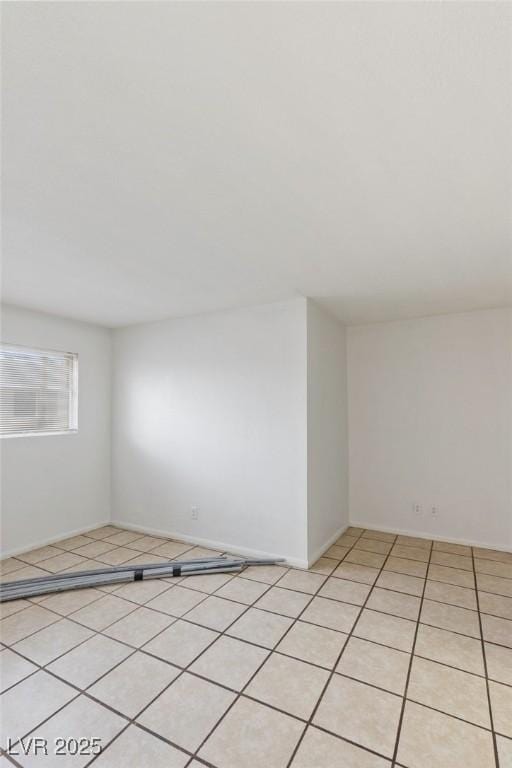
(23, 588)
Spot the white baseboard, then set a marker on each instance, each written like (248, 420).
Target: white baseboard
(222, 546)
(430, 536)
(330, 541)
(53, 539)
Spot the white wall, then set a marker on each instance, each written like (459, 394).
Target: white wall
(210, 411)
(55, 485)
(327, 429)
(430, 421)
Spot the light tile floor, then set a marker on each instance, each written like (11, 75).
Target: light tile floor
(390, 651)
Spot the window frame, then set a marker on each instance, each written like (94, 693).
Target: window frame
(73, 408)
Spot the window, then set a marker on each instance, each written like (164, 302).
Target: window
(38, 391)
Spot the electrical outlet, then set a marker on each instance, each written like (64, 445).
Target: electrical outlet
(434, 511)
(416, 508)
(194, 513)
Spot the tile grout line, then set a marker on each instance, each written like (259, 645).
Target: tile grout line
(484, 655)
(340, 655)
(411, 661)
(272, 650)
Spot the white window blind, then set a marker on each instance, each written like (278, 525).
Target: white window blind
(38, 391)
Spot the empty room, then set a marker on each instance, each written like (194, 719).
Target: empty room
(256, 384)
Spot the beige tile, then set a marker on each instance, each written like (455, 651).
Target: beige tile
(353, 530)
(430, 739)
(453, 595)
(132, 685)
(501, 702)
(10, 565)
(242, 590)
(136, 748)
(74, 542)
(450, 648)
(102, 533)
(85, 664)
(379, 536)
(331, 614)
(449, 690)
(28, 572)
(143, 558)
(455, 576)
(196, 706)
(142, 592)
(388, 630)
(65, 603)
(355, 572)
(86, 565)
(139, 626)
(94, 548)
(260, 627)
(202, 552)
(504, 751)
(317, 645)
(24, 623)
(269, 738)
(267, 574)
(347, 541)
(116, 556)
(52, 641)
(454, 549)
(492, 567)
(176, 601)
(360, 713)
(173, 549)
(399, 582)
(229, 662)
(216, 613)
(302, 581)
(208, 583)
(493, 584)
(361, 557)
(449, 617)
(322, 750)
(283, 601)
(337, 552)
(62, 561)
(414, 541)
(30, 702)
(493, 554)
(181, 643)
(411, 553)
(325, 566)
(497, 605)
(103, 612)
(81, 718)
(146, 543)
(13, 669)
(346, 591)
(37, 555)
(123, 538)
(375, 664)
(461, 562)
(499, 663)
(496, 630)
(371, 545)
(13, 606)
(396, 603)
(289, 685)
(409, 567)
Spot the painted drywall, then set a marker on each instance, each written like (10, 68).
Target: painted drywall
(210, 412)
(59, 484)
(327, 429)
(430, 422)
